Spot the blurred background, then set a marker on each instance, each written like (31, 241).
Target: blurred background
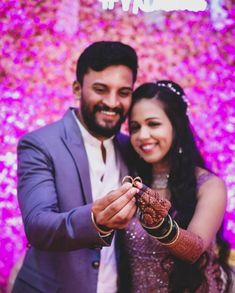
(40, 42)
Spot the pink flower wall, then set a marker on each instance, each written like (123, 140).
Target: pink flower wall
(40, 42)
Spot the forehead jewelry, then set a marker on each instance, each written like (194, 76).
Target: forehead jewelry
(131, 179)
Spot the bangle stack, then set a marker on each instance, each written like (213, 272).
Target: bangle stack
(172, 241)
(167, 231)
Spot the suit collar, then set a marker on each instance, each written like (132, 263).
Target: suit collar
(73, 140)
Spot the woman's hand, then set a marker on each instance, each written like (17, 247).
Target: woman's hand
(152, 207)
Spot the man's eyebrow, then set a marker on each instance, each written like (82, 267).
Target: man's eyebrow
(104, 85)
(100, 84)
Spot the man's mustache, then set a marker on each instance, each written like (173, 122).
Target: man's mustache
(116, 110)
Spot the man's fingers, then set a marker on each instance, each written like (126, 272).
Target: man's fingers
(102, 203)
(115, 194)
(122, 218)
(119, 203)
(113, 205)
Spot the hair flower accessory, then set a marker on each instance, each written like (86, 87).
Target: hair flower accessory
(171, 87)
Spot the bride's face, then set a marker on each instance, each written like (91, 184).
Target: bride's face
(151, 131)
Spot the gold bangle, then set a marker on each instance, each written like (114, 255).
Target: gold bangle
(155, 227)
(176, 237)
(168, 232)
(106, 233)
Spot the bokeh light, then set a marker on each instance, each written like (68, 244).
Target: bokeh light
(40, 42)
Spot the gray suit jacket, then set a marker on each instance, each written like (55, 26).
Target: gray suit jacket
(54, 193)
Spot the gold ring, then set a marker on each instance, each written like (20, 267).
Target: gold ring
(128, 179)
(137, 179)
(131, 180)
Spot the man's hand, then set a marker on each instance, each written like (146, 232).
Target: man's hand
(153, 208)
(115, 210)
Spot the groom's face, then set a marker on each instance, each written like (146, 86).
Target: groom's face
(105, 99)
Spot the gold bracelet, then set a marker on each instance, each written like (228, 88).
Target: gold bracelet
(176, 237)
(102, 232)
(168, 232)
(155, 227)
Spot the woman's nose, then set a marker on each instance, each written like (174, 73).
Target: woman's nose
(144, 133)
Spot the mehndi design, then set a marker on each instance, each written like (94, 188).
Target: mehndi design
(187, 246)
(152, 208)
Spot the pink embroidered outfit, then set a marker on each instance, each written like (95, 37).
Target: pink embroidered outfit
(150, 262)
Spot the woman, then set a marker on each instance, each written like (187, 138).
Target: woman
(171, 248)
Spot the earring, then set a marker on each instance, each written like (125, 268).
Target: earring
(180, 151)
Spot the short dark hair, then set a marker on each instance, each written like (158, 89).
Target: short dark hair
(100, 55)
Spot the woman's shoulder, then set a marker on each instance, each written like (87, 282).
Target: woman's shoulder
(207, 180)
(203, 175)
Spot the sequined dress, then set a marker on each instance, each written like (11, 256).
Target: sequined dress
(145, 255)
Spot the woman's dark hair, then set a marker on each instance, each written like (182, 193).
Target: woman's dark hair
(183, 157)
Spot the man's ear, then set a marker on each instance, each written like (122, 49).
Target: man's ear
(76, 87)
(77, 90)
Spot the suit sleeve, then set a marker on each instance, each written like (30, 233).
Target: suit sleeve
(46, 227)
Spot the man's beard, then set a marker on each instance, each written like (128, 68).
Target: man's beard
(92, 124)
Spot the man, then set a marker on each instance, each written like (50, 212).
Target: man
(69, 187)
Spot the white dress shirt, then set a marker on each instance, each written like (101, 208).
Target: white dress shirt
(105, 176)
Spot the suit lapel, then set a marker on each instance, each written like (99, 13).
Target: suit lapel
(73, 140)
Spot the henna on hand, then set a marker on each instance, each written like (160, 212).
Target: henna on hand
(187, 246)
(153, 208)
